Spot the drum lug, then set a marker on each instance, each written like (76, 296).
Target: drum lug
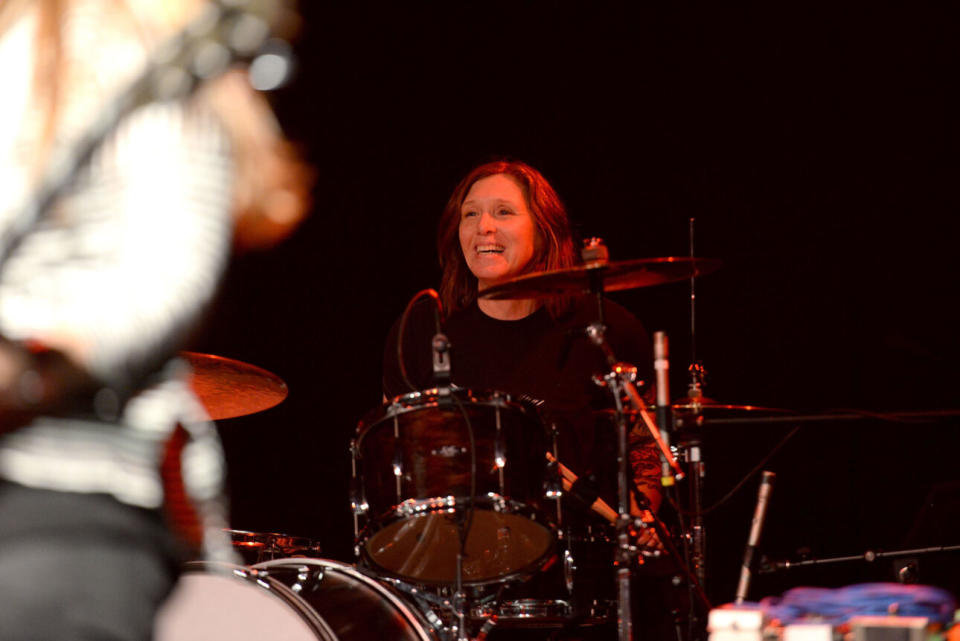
(552, 486)
(569, 570)
(358, 504)
(397, 462)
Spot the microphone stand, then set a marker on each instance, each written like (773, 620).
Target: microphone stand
(619, 382)
(769, 566)
(690, 439)
(756, 527)
(440, 346)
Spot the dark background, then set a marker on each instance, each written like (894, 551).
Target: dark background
(815, 147)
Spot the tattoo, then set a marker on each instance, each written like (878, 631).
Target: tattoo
(645, 462)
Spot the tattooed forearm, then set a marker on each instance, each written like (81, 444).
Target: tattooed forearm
(645, 463)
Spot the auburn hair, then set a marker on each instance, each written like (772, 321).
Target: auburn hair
(555, 247)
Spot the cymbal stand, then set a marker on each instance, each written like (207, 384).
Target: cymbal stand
(619, 381)
(689, 444)
(687, 437)
(690, 439)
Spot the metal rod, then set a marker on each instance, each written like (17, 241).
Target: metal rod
(624, 552)
(693, 304)
(848, 416)
(869, 556)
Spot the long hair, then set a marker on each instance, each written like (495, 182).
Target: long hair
(555, 247)
(272, 184)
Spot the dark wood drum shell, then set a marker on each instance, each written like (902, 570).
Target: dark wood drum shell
(413, 465)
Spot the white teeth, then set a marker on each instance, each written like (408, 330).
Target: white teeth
(489, 249)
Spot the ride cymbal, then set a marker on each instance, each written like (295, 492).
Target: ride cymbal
(607, 276)
(229, 388)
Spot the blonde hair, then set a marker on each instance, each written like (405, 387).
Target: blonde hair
(271, 193)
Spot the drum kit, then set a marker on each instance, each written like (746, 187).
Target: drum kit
(455, 496)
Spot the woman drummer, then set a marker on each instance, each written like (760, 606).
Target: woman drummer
(504, 220)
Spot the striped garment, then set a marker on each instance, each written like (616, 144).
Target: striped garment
(125, 264)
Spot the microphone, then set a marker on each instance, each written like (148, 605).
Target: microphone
(441, 362)
(440, 346)
(661, 365)
(759, 514)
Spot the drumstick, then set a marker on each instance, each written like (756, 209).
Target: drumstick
(601, 507)
(568, 478)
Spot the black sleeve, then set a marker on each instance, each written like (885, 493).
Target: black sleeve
(417, 352)
(631, 343)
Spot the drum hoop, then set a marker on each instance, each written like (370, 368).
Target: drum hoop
(412, 616)
(281, 542)
(430, 398)
(528, 609)
(268, 584)
(414, 508)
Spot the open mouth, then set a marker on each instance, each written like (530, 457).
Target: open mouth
(486, 250)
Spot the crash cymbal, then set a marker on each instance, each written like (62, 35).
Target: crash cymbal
(643, 272)
(229, 388)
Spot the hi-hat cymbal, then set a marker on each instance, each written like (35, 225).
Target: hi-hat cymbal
(229, 388)
(643, 272)
(709, 405)
(714, 409)
(711, 410)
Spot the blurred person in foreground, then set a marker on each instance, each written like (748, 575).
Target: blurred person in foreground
(110, 472)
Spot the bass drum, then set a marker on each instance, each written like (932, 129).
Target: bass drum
(352, 604)
(289, 599)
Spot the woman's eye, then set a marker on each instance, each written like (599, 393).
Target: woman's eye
(504, 212)
(467, 214)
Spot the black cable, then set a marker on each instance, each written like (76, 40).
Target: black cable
(661, 529)
(901, 417)
(670, 494)
(743, 481)
(468, 517)
(438, 319)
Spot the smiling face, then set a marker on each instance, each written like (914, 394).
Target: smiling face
(497, 232)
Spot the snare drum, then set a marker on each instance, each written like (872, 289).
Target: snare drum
(255, 547)
(412, 463)
(290, 599)
(222, 602)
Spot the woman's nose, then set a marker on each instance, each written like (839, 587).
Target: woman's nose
(486, 223)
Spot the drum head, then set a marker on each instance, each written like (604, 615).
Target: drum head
(425, 548)
(217, 602)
